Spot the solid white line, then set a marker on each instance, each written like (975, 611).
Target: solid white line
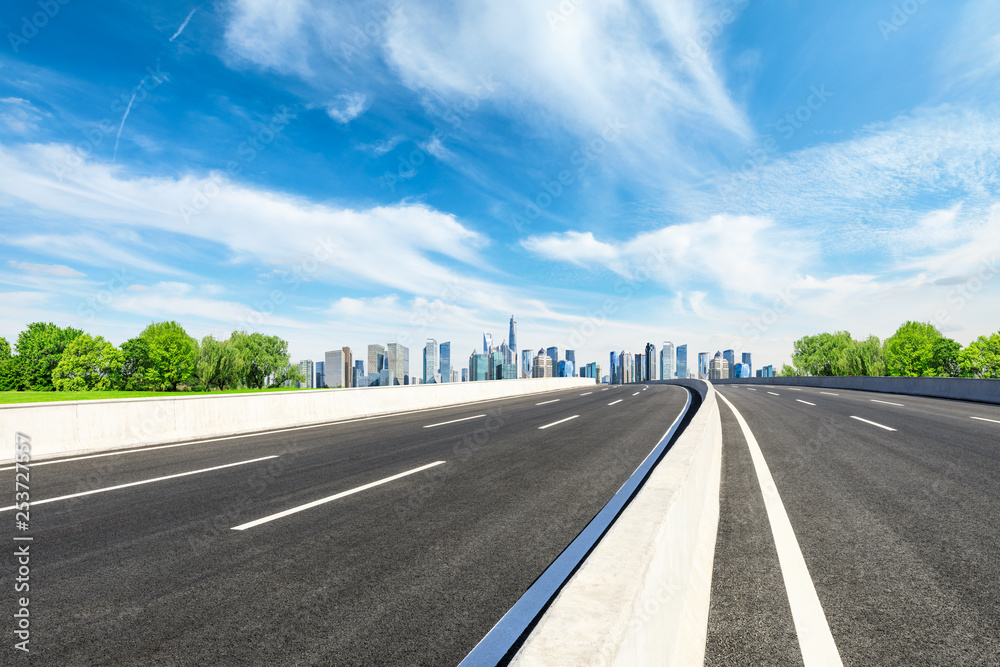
(587, 393)
(873, 423)
(455, 421)
(558, 422)
(618, 401)
(806, 402)
(145, 481)
(984, 419)
(773, 394)
(554, 400)
(829, 393)
(815, 639)
(636, 394)
(875, 400)
(321, 501)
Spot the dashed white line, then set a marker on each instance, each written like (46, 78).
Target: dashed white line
(984, 419)
(806, 402)
(342, 494)
(145, 481)
(455, 421)
(751, 389)
(554, 400)
(793, 389)
(875, 400)
(618, 401)
(815, 639)
(558, 422)
(887, 428)
(587, 393)
(829, 393)
(606, 388)
(636, 394)
(773, 394)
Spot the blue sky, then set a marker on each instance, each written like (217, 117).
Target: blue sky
(731, 174)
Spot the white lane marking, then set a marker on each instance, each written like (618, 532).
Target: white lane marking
(618, 401)
(751, 389)
(587, 393)
(887, 428)
(829, 393)
(606, 388)
(558, 422)
(454, 421)
(875, 400)
(806, 402)
(554, 400)
(636, 394)
(815, 639)
(984, 419)
(773, 394)
(328, 499)
(145, 481)
(793, 389)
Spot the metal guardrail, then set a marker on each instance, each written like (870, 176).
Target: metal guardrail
(502, 642)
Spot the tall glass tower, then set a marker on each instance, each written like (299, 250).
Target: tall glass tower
(512, 338)
(430, 360)
(682, 361)
(667, 361)
(445, 362)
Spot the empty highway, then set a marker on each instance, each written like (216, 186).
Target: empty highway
(894, 503)
(397, 540)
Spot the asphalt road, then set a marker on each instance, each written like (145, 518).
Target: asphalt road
(413, 571)
(900, 529)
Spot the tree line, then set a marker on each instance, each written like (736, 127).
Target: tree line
(917, 349)
(163, 357)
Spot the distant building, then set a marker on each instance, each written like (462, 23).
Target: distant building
(768, 371)
(543, 366)
(649, 363)
(746, 360)
(478, 371)
(430, 360)
(527, 359)
(358, 377)
(553, 354)
(512, 338)
(730, 357)
(446, 371)
(397, 360)
(565, 369)
(454, 375)
(505, 372)
(465, 375)
(339, 367)
(718, 367)
(376, 364)
(682, 361)
(571, 356)
(742, 371)
(307, 369)
(667, 361)
(320, 374)
(487, 342)
(615, 376)
(703, 361)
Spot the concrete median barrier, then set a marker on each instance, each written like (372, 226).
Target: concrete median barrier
(80, 427)
(642, 595)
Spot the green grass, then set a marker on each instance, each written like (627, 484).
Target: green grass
(8, 397)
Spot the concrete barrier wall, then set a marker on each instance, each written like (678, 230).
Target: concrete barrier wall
(642, 595)
(963, 389)
(78, 427)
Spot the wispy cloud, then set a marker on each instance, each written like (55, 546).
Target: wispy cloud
(19, 115)
(347, 107)
(183, 25)
(49, 270)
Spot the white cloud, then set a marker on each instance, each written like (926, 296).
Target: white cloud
(347, 107)
(19, 115)
(382, 146)
(48, 270)
(268, 33)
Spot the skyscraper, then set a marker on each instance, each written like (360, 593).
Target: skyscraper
(615, 376)
(527, 358)
(718, 367)
(703, 361)
(553, 354)
(566, 369)
(487, 342)
(649, 361)
(465, 375)
(746, 360)
(667, 361)
(477, 367)
(571, 356)
(512, 338)
(320, 374)
(730, 357)
(543, 365)
(338, 366)
(430, 360)
(306, 367)
(445, 350)
(358, 377)
(682, 361)
(376, 363)
(397, 361)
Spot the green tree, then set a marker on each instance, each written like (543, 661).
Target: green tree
(7, 380)
(172, 353)
(39, 349)
(981, 359)
(87, 363)
(788, 372)
(136, 362)
(918, 349)
(263, 357)
(219, 363)
(818, 355)
(290, 373)
(861, 358)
